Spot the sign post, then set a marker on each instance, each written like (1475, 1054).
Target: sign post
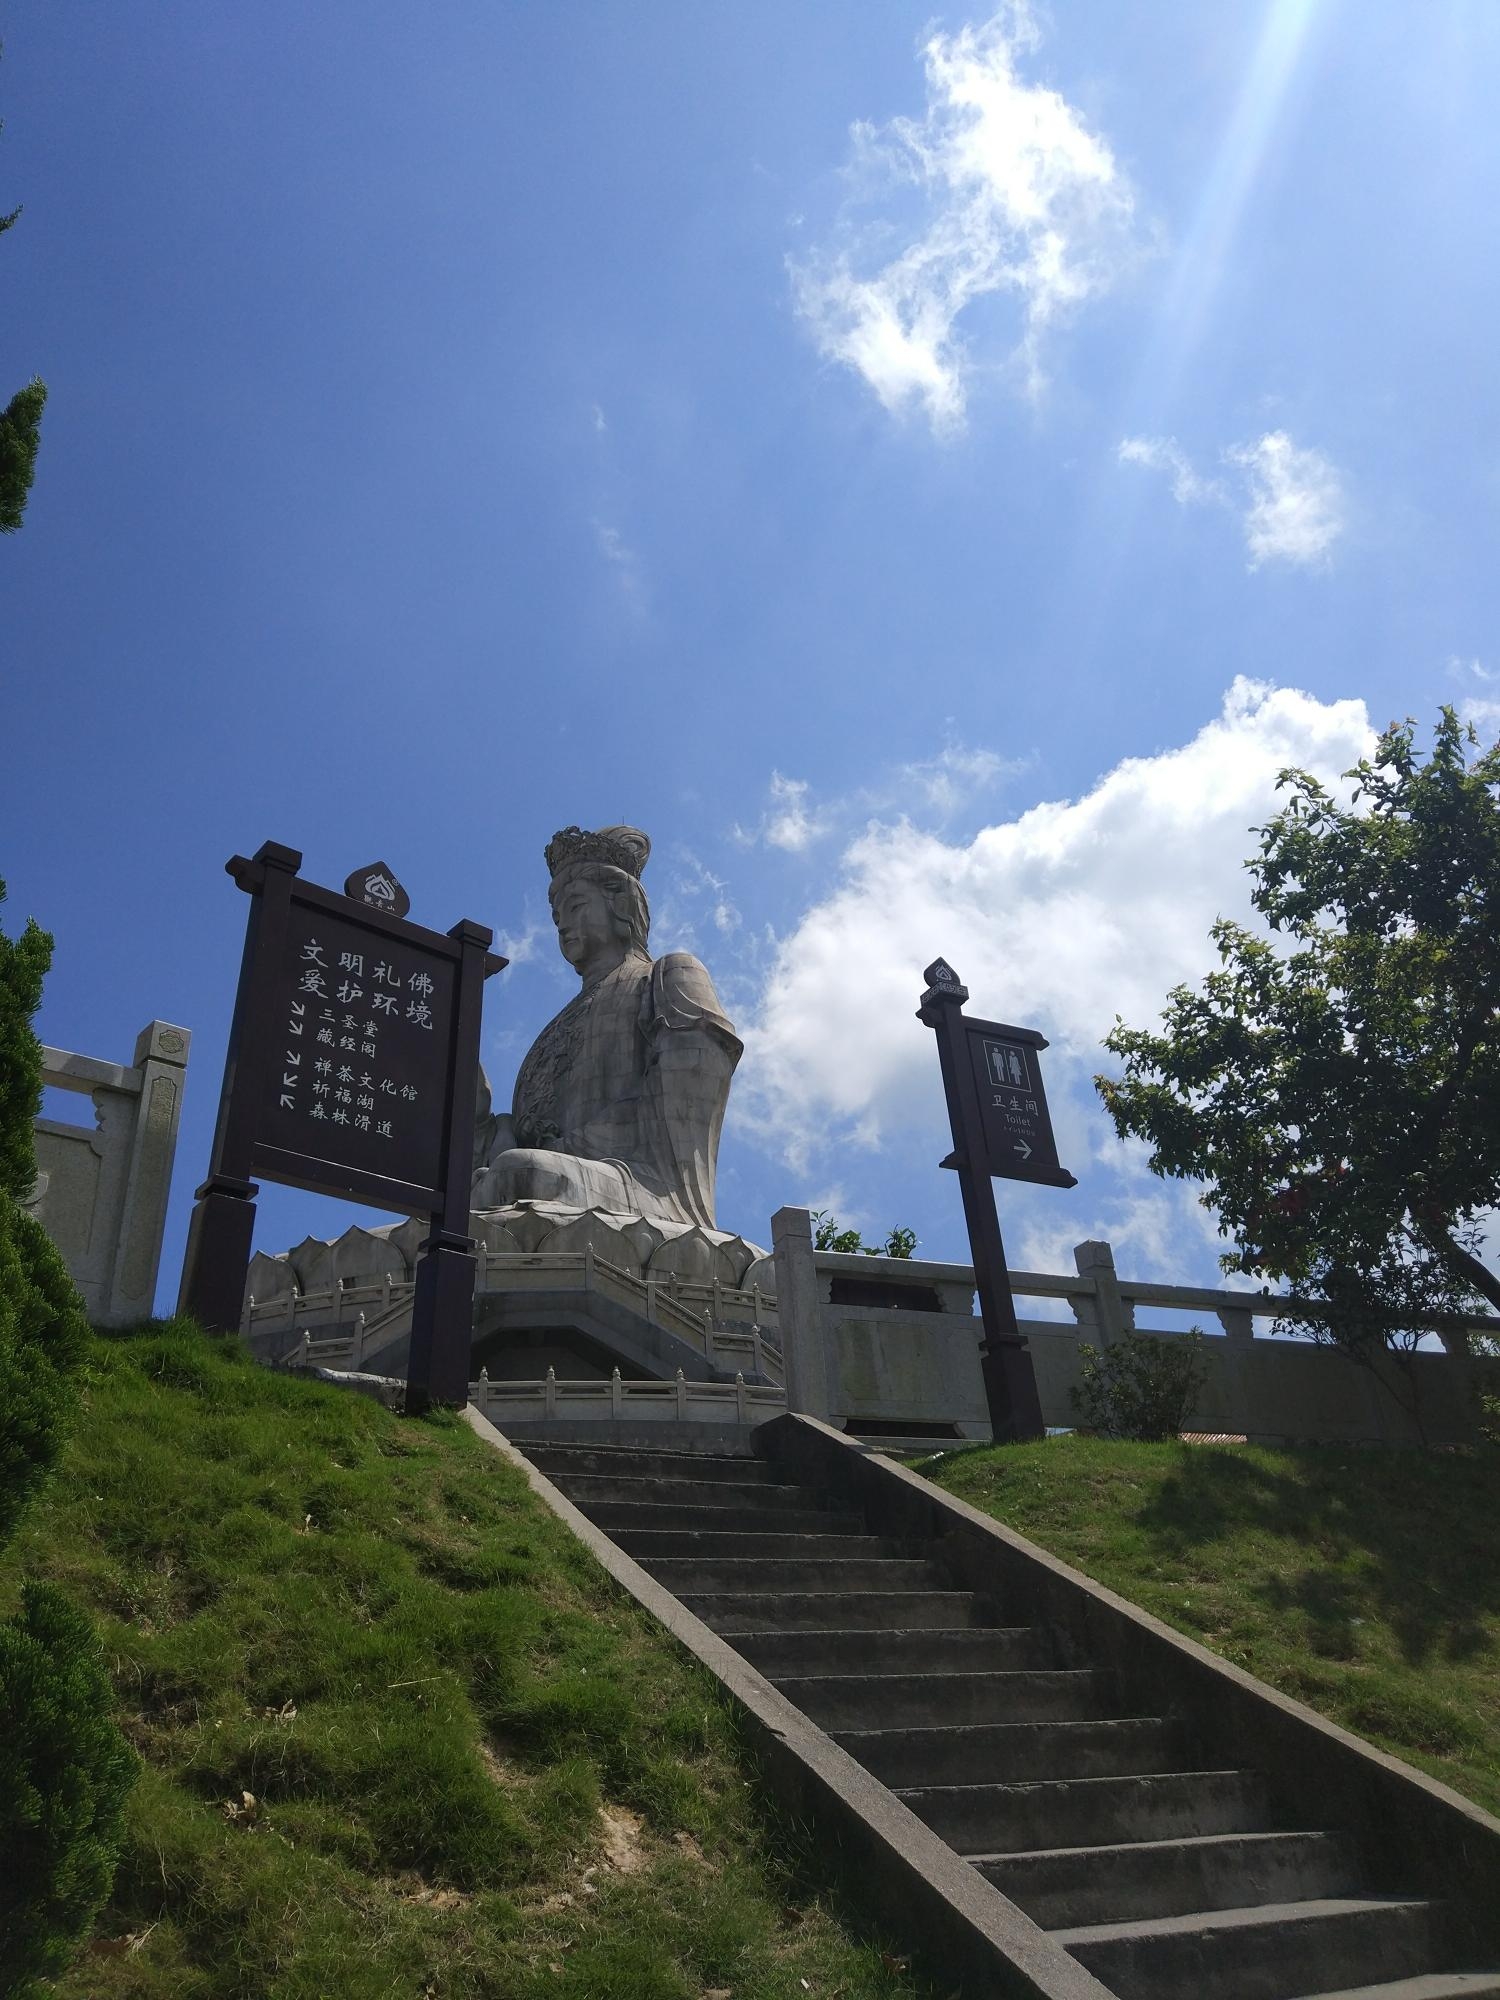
(998, 1114)
(350, 1071)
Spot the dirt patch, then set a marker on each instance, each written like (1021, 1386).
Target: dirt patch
(620, 1835)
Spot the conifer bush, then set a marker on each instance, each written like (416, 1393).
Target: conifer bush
(64, 1772)
(64, 1767)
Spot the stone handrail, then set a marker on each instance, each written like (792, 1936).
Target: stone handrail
(679, 1401)
(1105, 1304)
(376, 1312)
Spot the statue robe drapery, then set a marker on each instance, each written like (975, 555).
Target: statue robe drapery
(620, 1100)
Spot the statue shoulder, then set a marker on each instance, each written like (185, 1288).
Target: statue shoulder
(683, 995)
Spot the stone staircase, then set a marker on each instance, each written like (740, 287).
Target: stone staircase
(1162, 1874)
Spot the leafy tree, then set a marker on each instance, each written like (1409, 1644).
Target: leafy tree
(828, 1236)
(64, 1767)
(1337, 1087)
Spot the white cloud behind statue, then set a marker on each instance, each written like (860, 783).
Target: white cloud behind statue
(1073, 911)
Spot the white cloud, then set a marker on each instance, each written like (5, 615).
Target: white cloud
(1293, 496)
(1296, 510)
(1167, 455)
(945, 782)
(1482, 710)
(622, 559)
(612, 545)
(788, 822)
(1019, 198)
(1059, 919)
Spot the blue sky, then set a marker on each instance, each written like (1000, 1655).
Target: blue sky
(929, 471)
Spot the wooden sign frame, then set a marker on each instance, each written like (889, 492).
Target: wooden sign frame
(267, 1123)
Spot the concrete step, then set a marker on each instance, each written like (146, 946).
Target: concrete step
(617, 1516)
(625, 1461)
(1080, 1812)
(867, 1611)
(1014, 1752)
(894, 1701)
(589, 1489)
(1162, 1878)
(1257, 1954)
(764, 1574)
(710, 1544)
(1423, 1986)
(968, 1650)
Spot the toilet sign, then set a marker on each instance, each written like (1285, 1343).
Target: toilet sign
(1013, 1113)
(997, 1109)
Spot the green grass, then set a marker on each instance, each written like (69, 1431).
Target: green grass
(1366, 1583)
(399, 1735)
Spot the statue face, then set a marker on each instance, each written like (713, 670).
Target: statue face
(585, 922)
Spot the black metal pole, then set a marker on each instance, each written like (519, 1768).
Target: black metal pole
(1005, 1363)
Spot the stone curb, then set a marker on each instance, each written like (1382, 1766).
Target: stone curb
(969, 1930)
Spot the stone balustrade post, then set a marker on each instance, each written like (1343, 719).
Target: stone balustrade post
(799, 1313)
(1106, 1314)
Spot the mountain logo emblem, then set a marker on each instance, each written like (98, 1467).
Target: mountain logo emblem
(377, 888)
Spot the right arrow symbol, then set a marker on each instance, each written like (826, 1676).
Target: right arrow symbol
(1023, 1149)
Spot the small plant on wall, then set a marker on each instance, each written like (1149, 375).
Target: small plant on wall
(1140, 1388)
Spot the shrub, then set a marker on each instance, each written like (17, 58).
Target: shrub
(43, 1341)
(1140, 1388)
(64, 1767)
(64, 1773)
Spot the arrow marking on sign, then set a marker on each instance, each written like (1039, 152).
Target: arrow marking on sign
(294, 1027)
(288, 1103)
(299, 1008)
(288, 1083)
(294, 1057)
(1023, 1149)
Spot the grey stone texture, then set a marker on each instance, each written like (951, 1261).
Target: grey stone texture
(101, 1190)
(619, 1103)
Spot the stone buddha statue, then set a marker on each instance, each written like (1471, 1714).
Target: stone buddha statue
(620, 1100)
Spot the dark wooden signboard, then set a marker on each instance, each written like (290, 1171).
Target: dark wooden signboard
(997, 1109)
(350, 1072)
(1013, 1111)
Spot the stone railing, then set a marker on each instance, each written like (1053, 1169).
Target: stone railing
(877, 1343)
(101, 1189)
(679, 1401)
(339, 1325)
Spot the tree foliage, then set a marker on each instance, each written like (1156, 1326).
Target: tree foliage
(827, 1235)
(1336, 1086)
(64, 1768)
(20, 434)
(65, 1771)
(23, 966)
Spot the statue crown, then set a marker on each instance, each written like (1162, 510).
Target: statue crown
(624, 847)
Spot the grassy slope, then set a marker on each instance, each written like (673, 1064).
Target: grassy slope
(1365, 1583)
(473, 1768)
